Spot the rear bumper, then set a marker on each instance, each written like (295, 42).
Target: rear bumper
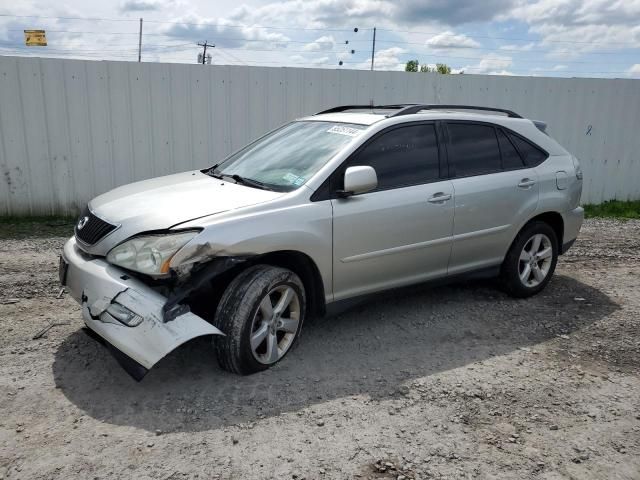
(104, 291)
(572, 223)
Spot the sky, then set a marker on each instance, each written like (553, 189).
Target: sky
(558, 38)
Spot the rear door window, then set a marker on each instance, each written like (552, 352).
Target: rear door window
(473, 149)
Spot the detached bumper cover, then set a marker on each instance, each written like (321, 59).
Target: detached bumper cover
(96, 285)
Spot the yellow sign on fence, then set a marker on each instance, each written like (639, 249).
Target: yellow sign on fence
(35, 38)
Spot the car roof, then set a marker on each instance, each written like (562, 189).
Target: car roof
(398, 114)
(371, 118)
(357, 118)
(370, 114)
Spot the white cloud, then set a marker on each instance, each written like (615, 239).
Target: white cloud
(574, 27)
(449, 40)
(224, 32)
(491, 64)
(326, 42)
(141, 5)
(520, 48)
(561, 30)
(578, 12)
(450, 12)
(322, 61)
(634, 71)
(389, 59)
(386, 59)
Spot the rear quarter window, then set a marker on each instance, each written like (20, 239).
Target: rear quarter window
(510, 157)
(531, 155)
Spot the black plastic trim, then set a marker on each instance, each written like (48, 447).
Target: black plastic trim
(129, 365)
(344, 108)
(412, 108)
(566, 246)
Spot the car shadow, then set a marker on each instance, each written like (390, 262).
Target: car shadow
(371, 349)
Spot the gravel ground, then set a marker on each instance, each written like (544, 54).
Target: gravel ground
(449, 382)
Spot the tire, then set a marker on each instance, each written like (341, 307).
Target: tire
(521, 281)
(243, 315)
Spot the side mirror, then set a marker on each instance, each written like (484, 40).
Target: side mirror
(359, 180)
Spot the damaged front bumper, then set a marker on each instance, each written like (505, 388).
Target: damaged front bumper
(125, 312)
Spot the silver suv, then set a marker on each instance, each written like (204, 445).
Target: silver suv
(351, 201)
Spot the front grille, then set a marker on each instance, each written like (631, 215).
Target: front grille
(94, 228)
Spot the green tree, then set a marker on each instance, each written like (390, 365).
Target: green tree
(411, 66)
(439, 68)
(443, 68)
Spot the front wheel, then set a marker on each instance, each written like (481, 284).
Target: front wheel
(531, 260)
(261, 313)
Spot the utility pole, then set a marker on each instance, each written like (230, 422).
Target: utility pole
(373, 48)
(140, 42)
(204, 51)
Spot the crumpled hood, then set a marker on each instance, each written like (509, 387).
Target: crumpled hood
(163, 202)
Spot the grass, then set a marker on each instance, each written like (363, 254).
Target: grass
(614, 209)
(23, 227)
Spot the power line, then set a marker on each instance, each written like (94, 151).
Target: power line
(193, 24)
(502, 49)
(275, 27)
(517, 39)
(395, 42)
(429, 55)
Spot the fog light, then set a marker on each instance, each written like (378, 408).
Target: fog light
(124, 315)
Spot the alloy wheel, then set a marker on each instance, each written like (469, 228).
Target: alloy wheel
(535, 260)
(275, 324)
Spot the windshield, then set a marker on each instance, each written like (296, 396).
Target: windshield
(286, 158)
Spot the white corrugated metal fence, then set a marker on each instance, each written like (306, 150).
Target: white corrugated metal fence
(71, 129)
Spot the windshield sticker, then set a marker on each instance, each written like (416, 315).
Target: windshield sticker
(342, 130)
(292, 179)
(299, 181)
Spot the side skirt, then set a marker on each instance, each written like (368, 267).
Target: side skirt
(340, 306)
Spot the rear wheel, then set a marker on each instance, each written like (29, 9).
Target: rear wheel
(261, 312)
(531, 260)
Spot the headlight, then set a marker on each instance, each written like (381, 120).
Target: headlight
(150, 254)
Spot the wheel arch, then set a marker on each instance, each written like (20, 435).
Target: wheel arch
(551, 218)
(554, 220)
(209, 295)
(303, 266)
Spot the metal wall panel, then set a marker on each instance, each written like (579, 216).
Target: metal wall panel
(71, 129)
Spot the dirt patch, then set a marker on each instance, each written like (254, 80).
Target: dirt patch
(449, 382)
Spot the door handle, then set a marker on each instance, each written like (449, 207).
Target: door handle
(526, 183)
(439, 197)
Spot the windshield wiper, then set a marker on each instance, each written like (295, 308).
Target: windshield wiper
(249, 182)
(213, 172)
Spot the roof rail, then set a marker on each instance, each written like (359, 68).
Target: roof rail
(411, 108)
(343, 108)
